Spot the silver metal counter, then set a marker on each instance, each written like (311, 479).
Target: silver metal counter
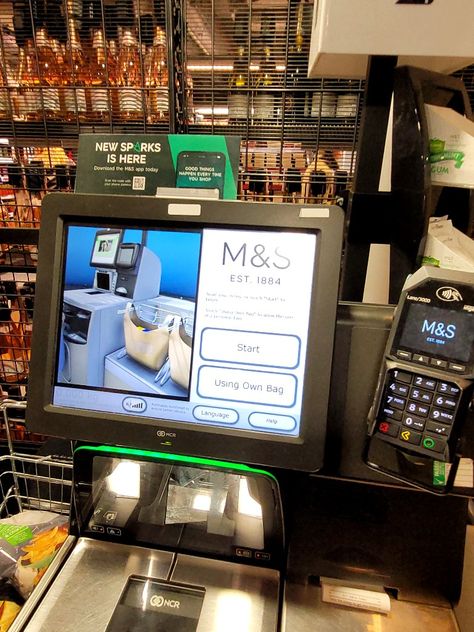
(87, 589)
(238, 598)
(305, 611)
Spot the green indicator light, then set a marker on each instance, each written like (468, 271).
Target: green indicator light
(176, 458)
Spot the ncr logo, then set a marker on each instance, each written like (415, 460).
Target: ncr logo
(158, 601)
(414, 2)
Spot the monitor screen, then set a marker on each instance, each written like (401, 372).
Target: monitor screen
(440, 332)
(230, 360)
(126, 254)
(104, 249)
(232, 355)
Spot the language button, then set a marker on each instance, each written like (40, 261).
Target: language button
(276, 422)
(218, 415)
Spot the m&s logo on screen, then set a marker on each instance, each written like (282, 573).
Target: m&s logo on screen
(258, 257)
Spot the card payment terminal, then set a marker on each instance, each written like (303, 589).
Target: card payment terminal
(417, 421)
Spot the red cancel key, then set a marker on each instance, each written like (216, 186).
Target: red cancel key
(386, 428)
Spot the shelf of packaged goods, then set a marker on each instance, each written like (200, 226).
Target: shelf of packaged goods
(327, 130)
(10, 271)
(18, 253)
(341, 130)
(28, 133)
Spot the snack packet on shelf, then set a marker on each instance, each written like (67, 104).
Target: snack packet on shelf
(28, 543)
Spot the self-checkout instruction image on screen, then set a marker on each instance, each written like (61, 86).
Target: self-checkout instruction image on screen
(137, 164)
(163, 323)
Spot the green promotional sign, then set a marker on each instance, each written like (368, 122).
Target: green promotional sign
(137, 164)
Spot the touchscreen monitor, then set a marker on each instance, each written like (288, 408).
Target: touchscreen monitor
(105, 248)
(230, 354)
(127, 255)
(231, 360)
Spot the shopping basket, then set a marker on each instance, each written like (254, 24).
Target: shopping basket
(31, 481)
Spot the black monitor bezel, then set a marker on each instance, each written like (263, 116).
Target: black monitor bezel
(304, 453)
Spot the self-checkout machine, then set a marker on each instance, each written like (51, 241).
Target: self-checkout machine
(93, 315)
(177, 518)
